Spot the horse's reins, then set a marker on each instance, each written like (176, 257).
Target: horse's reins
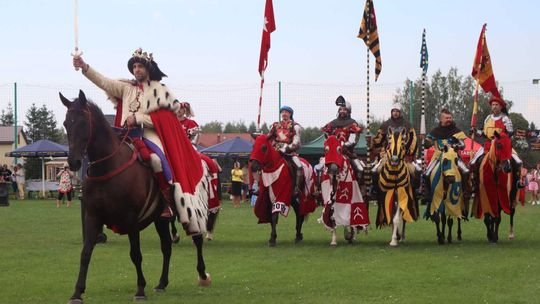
(114, 172)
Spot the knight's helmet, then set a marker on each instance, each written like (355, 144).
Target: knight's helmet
(341, 102)
(397, 106)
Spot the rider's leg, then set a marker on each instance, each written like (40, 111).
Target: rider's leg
(357, 167)
(164, 185)
(427, 183)
(299, 172)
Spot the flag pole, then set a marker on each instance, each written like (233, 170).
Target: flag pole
(423, 116)
(260, 103)
(475, 104)
(367, 179)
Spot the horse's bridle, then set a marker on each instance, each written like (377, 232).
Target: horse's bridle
(89, 114)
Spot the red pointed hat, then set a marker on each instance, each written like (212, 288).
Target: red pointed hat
(497, 99)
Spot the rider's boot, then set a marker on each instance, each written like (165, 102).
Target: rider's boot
(166, 194)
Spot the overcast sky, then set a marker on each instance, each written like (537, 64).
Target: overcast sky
(216, 42)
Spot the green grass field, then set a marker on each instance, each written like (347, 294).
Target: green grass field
(40, 247)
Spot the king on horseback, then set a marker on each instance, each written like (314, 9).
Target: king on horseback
(147, 102)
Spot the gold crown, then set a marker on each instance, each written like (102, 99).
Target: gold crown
(144, 55)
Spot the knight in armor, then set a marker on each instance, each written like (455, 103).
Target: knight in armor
(348, 131)
(497, 121)
(446, 133)
(145, 101)
(381, 141)
(285, 138)
(184, 114)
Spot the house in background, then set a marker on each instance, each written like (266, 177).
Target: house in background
(210, 139)
(7, 144)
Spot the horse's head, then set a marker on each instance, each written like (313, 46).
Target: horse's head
(503, 150)
(395, 151)
(449, 165)
(78, 128)
(262, 153)
(333, 156)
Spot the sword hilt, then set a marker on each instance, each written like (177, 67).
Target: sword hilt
(76, 54)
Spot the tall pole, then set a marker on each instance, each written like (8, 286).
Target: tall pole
(411, 107)
(15, 131)
(475, 105)
(279, 100)
(367, 177)
(260, 104)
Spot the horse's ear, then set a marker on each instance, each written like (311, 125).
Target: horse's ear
(82, 97)
(64, 100)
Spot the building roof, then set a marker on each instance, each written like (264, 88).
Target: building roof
(210, 139)
(231, 147)
(6, 134)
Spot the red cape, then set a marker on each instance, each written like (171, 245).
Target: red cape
(185, 162)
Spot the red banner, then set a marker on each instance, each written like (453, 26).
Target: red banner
(268, 27)
(482, 68)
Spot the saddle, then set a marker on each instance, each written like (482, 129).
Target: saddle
(292, 170)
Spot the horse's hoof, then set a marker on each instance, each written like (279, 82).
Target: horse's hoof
(459, 238)
(160, 288)
(511, 236)
(176, 239)
(393, 243)
(333, 244)
(440, 241)
(75, 301)
(139, 298)
(299, 238)
(209, 236)
(271, 243)
(207, 282)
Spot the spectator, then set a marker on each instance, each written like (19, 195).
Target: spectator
(5, 173)
(65, 186)
(533, 184)
(237, 177)
(20, 176)
(255, 188)
(245, 183)
(14, 181)
(524, 183)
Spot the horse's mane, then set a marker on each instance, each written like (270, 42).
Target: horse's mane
(97, 114)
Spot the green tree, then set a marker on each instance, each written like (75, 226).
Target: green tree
(41, 124)
(309, 134)
(518, 121)
(6, 118)
(252, 127)
(212, 127)
(452, 91)
(532, 126)
(264, 128)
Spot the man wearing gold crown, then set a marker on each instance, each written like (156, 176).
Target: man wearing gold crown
(147, 102)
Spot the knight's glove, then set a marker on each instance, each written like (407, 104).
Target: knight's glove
(348, 144)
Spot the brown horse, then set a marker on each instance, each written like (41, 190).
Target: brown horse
(119, 192)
